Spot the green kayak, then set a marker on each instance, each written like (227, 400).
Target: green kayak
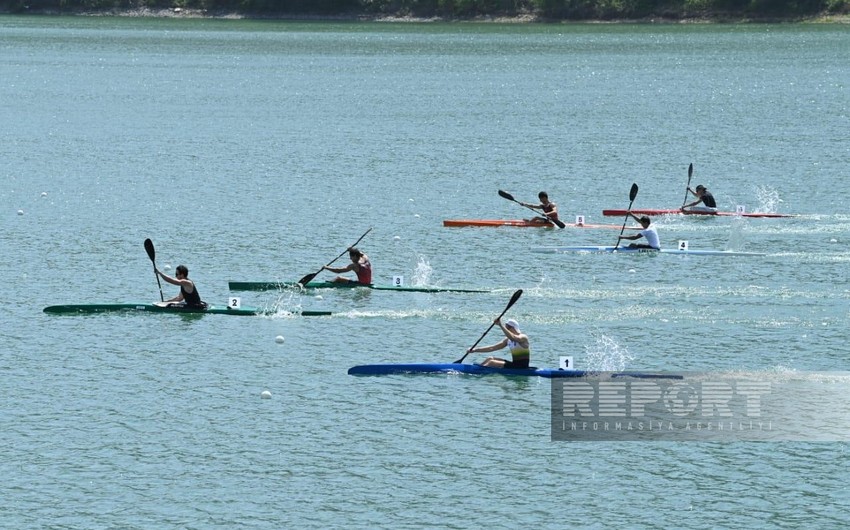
(153, 308)
(272, 286)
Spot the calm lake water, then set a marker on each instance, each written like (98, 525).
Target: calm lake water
(261, 150)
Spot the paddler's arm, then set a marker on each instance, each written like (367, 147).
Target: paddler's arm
(340, 270)
(169, 279)
(486, 349)
(699, 200)
(521, 338)
(178, 298)
(174, 281)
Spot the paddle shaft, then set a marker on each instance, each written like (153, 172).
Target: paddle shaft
(152, 255)
(306, 279)
(632, 194)
(514, 298)
(510, 197)
(688, 187)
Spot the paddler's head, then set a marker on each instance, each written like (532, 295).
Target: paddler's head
(544, 197)
(354, 254)
(644, 221)
(513, 324)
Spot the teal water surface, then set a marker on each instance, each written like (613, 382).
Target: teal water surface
(258, 151)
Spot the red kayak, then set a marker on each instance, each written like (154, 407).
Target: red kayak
(518, 222)
(621, 213)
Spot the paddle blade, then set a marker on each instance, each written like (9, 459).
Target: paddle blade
(150, 250)
(514, 298)
(307, 279)
(152, 255)
(506, 195)
(632, 194)
(688, 186)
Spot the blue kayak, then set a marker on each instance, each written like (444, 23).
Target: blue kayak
(477, 369)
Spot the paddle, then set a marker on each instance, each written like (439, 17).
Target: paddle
(152, 255)
(632, 195)
(307, 279)
(688, 187)
(514, 298)
(510, 197)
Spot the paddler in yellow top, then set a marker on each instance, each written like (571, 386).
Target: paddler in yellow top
(515, 340)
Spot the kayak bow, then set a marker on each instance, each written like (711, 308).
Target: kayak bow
(153, 308)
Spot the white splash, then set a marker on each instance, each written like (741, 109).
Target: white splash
(422, 272)
(768, 199)
(605, 354)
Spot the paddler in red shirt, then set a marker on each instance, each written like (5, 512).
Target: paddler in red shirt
(550, 209)
(360, 264)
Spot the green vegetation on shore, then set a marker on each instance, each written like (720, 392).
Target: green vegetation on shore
(544, 10)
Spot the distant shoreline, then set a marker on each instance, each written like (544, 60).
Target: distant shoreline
(185, 13)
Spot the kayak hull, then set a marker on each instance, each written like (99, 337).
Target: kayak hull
(153, 308)
(623, 213)
(518, 223)
(271, 286)
(477, 369)
(496, 222)
(628, 250)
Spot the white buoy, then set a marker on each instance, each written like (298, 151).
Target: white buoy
(319, 297)
(632, 270)
(833, 240)
(279, 339)
(397, 238)
(416, 215)
(20, 212)
(265, 394)
(44, 194)
(167, 267)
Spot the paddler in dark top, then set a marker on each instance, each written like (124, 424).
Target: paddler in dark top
(515, 340)
(188, 294)
(360, 264)
(550, 209)
(703, 196)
